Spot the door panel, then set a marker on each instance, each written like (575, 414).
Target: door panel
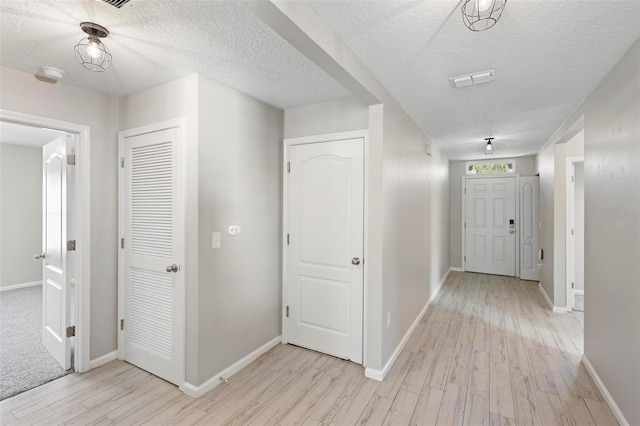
(55, 317)
(529, 227)
(326, 227)
(490, 246)
(153, 232)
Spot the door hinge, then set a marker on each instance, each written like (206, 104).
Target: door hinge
(71, 331)
(121, 243)
(287, 312)
(465, 224)
(122, 162)
(571, 178)
(121, 324)
(287, 239)
(572, 231)
(465, 258)
(71, 245)
(71, 159)
(572, 284)
(465, 190)
(288, 166)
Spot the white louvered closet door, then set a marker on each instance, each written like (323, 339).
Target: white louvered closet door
(153, 235)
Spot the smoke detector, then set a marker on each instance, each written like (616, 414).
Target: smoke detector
(51, 73)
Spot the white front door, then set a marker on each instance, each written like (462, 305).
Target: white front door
(325, 226)
(529, 227)
(55, 294)
(490, 229)
(152, 247)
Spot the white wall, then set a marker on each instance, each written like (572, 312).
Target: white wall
(327, 117)
(525, 166)
(240, 169)
(21, 205)
(612, 232)
(578, 226)
(21, 92)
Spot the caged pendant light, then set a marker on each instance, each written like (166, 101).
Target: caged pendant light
(90, 51)
(480, 15)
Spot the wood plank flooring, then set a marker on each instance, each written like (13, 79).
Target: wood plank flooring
(487, 352)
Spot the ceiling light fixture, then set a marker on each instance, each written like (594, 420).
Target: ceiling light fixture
(471, 79)
(90, 51)
(480, 15)
(488, 150)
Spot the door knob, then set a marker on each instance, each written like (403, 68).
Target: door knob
(355, 261)
(39, 256)
(172, 268)
(512, 231)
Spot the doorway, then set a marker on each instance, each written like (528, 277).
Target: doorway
(489, 228)
(41, 200)
(575, 234)
(323, 225)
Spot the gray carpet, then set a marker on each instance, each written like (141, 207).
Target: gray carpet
(578, 303)
(24, 362)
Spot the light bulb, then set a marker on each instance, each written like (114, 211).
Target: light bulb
(484, 5)
(489, 148)
(93, 49)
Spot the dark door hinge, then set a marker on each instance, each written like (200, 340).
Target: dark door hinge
(121, 243)
(287, 239)
(122, 324)
(71, 159)
(122, 162)
(287, 312)
(288, 166)
(71, 245)
(71, 331)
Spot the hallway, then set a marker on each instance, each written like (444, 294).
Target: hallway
(487, 352)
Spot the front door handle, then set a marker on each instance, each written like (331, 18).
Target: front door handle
(172, 268)
(355, 261)
(40, 256)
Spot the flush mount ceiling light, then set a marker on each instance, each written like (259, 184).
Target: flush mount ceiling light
(90, 51)
(471, 79)
(488, 150)
(480, 15)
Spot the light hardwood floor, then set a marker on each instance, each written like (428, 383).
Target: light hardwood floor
(488, 351)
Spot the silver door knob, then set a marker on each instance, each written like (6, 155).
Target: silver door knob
(39, 256)
(355, 261)
(512, 231)
(172, 268)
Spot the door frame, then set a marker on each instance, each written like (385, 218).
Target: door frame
(331, 137)
(179, 123)
(570, 250)
(517, 214)
(82, 209)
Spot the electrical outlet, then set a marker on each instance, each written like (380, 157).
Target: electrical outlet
(388, 319)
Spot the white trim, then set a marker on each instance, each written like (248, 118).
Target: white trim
(198, 391)
(570, 249)
(102, 360)
(330, 137)
(181, 124)
(82, 188)
(578, 292)
(23, 285)
(605, 393)
(379, 375)
(556, 309)
(455, 269)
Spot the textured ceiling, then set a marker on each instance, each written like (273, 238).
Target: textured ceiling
(19, 134)
(548, 56)
(155, 41)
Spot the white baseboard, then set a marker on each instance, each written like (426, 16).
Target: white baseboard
(555, 309)
(102, 360)
(605, 393)
(578, 292)
(455, 269)
(198, 391)
(23, 285)
(379, 375)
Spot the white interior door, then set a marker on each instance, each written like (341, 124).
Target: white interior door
(529, 227)
(324, 276)
(55, 294)
(152, 251)
(490, 232)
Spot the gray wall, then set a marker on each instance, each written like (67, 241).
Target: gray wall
(525, 166)
(240, 157)
(612, 232)
(578, 226)
(23, 93)
(21, 212)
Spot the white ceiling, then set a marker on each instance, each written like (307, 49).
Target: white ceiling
(155, 41)
(548, 56)
(19, 134)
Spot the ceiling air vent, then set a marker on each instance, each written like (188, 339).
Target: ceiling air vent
(117, 3)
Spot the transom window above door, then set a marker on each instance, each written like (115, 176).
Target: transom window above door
(495, 166)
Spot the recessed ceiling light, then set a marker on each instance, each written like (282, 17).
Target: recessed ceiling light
(471, 79)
